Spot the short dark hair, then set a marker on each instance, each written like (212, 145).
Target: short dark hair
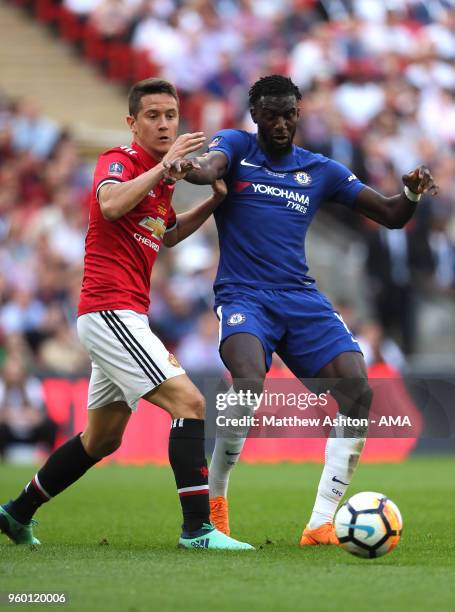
(273, 85)
(145, 87)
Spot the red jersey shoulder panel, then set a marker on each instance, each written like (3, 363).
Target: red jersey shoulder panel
(115, 165)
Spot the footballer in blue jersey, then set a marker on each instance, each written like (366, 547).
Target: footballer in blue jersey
(266, 300)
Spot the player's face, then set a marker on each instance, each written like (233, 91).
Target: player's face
(155, 126)
(276, 118)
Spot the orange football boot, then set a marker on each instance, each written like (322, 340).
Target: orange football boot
(219, 516)
(325, 534)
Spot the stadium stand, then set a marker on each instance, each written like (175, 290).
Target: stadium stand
(376, 84)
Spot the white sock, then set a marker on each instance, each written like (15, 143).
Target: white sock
(228, 447)
(342, 455)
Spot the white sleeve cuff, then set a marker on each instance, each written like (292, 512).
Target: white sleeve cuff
(169, 229)
(105, 182)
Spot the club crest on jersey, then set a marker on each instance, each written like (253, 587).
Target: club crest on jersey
(302, 178)
(156, 226)
(162, 210)
(116, 168)
(215, 142)
(236, 319)
(173, 360)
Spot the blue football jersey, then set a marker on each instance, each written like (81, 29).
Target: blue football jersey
(262, 222)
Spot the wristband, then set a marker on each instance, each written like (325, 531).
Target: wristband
(411, 195)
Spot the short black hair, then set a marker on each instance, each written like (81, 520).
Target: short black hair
(145, 87)
(273, 85)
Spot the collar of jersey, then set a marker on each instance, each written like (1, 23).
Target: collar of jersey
(292, 164)
(146, 157)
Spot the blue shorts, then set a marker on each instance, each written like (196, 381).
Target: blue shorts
(300, 325)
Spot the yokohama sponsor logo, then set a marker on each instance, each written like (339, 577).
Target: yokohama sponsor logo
(279, 192)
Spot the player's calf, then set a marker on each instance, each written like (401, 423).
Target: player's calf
(70, 461)
(66, 465)
(105, 428)
(230, 439)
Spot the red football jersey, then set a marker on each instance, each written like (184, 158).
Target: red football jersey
(119, 255)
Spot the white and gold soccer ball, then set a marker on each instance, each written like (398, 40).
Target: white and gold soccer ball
(368, 525)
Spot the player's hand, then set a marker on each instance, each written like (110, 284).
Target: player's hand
(184, 144)
(219, 189)
(177, 169)
(420, 180)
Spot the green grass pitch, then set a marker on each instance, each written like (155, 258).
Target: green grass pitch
(109, 543)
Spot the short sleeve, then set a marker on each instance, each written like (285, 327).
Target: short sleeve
(114, 166)
(343, 185)
(229, 142)
(171, 220)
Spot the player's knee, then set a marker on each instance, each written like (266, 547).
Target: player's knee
(101, 446)
(249, 369)
(249, 377)
(363, 396)
(365, 392)
(354, 397)
(110, 445)
(193, 406)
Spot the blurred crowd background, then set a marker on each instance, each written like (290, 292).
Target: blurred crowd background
(378, 84)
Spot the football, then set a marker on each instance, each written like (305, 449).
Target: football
(368, 525)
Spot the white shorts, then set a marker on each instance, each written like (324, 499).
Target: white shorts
(128, 360)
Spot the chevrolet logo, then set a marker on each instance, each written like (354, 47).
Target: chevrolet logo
(156, 226)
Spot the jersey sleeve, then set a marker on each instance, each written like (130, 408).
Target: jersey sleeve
(114, 166)
(343, 186)
(229, 142)
(171, 220)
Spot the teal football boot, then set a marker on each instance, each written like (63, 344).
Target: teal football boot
(17, 532)
(212, 539)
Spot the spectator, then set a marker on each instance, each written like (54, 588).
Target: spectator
(62, 352)
(378, 77)
(198, 351)
(436, 251)
(113, 18)
(378, 348)
(32, 132)
(23, 418)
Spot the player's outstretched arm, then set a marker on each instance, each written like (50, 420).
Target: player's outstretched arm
(188, 222)
(212, 166)
(118, 199)
(395, 212)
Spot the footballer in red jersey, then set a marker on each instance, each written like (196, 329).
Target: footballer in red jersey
(130, 215)
(119, 256)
